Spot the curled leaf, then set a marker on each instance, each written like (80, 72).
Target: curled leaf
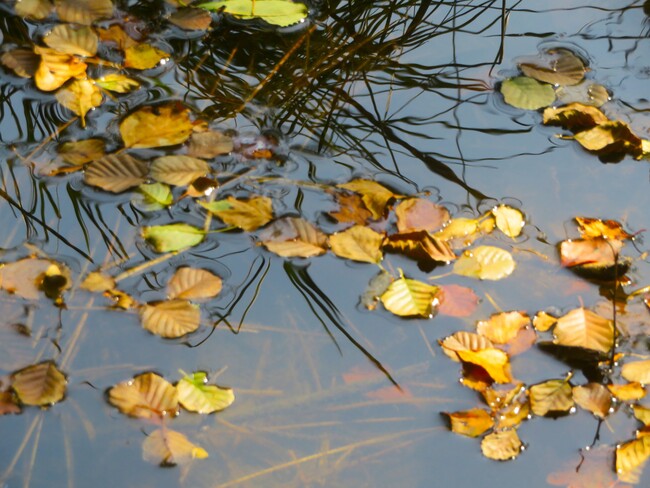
(147, 395)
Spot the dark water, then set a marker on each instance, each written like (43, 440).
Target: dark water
(402, 108)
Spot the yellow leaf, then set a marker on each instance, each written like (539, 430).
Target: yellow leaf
(98, 281)
(145, 396)
(143, 56)
(169, 448)
(157, 126)
(247, 214)
(471, 423)
(494, 361)
(375, 196)
(594, 397)
(410, 298)
(608, 229)
(421, 246)
(358, 243)
(294, 237)
(584, 328)
(34, 9)
(56, 68)
(192, 283)
(72, 39)
(614, 137)
(637, 371)
(631, 457)
(503, 327)
(197, 396)
(628, 391)
(464, 341)
(485, 263)
(502, 445)
(40, 384)
(117, 83)
(574, 116)
(642, 414)
(543, 321)
(509, 220)
(552, 396)
(80, 96)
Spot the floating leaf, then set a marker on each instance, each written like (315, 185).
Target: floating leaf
(543, 321)
(115, 33)
(209, 144)
(351, 209)
(143, 56)
(631, 457)
(8, 404)
(197, 396)
(201, 187)
(627, 392)
(98, 281)
(524, 340)
(594, 398)
(375, 196)
(80, 96)
(642, 414)
(464, 341)
(170, 319)
(607, 229)
(23, 62)
(72, 39)
(416, 214)
(158, 126)
(586, 92)
(145, 396)
(375, 289)
(83, 11)
(28, 276)
(410, 298)
(34, 9)
(503, 327)
(40, 384)
(247, 214)
(485, 263)
(117, 83)
(551, 397)
(494, 361)
(509, 220)
(178, 170)
(56, 68)
(294, 237)
(421, 246)
(192, 283)
(574, 117)
(116, 172)
(503, 445)
(527, 93)
(637, 371)
(597, 252)
(191, 18)
(155, 196)
(457, 301)
(358, 243)
(168, 448)
(277, 12)
(472, 423)
(82, 152)
(614, 137)
(173, 237)
(557, 67)
(461, 232)
(584, 328)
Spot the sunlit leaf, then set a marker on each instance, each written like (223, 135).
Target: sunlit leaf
(171, 318)
(80, 96)
(197, 396)
(375, 196)
(97, 281)
(596, 252)
(23, 62)
(34, 9)
(614, 137)
(514, 412)
(83, 11)
(551, 397)
(642, 414)
(416, 214)
(143, 56)
(574, 117)
(248, 214)
(158, 126)
(117, 83)
(583, 328)
(527, 93)
(277, 12)
(358, 243)
(631, 457)
(464, 341)
(503, 327)
(201, 187)
(420, 246)
(457, 301)
(155, 196)
(594, 398)
(485, 263)
(627, 392)
(167, 447)
(494, 361)
(294, 237)
(27, 277)
(145, 396)
(115, 33)
(40, 384)
(173, 237)
(375, 289)
(557, 67)
(509, 220)
(116, 172)
(608, 229)
(72, 39)
(56, 68)
(121, 300)
(178, 170)
(351, 209)
(503, 445)
(82, 152)
(472, 423)
(410, 298)
(191, 18)
(543, 321)
(209, 144)
(193, 283)
(461, 232)
(637, 371)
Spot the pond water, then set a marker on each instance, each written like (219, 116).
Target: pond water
(404, 93)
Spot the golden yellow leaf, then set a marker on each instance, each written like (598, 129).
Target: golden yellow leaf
(80, 96)
(583, 328)
(421, 246)
(168, 448)
(637, 371)
(494, 361)
(471, 423)
(40, 384)
(375, 196)
(143, 56)
(543, 321)
(631, 457)
(193, 283)
(97, 281)
(608, 229)
(358, 243)
(171, 318)
(145, 396)
(464, 341)
(156, 126)
(551, 397)
(628, 391)
(56, 68)
(485, 263)
(509, 220)
(248, 214)
(594, 397)
(642, 414)
(503, 327)
(34, 9)
(503, 445)
(294, 237)
(611, 137)
(574, 116)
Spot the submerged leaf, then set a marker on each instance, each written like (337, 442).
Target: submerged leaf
(116, 172)
(40, 384)
(80, 96)
(375, 289)
(375, 196)
(190, 18)
(97, 281)
(472, 423)
(82, 152)
(83, 11)
(173, 237)
(277, 12)
(351, 209)
(209, 144)
(197, 396)
(158, 126)
(457, 301)
(171, 318)
(169, 448)
(26, 277)
(583, 328)
(410, 298)
(247, 214)
(72, 39)
(117, 83)
(178, 170)
(551, 397)
(192, 283)
(416, 214)
(503, 445)
(557, 67)
(143, 56)
(358, 243)
(485, 263)
(145, 396)
(294, 237)
(527, 93)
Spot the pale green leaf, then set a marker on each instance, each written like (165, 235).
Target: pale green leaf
(527, 93)
(485, 263)
(172, 237)
(197, 396)
(117, 83)
(276, 12)
(411, 298)
(155, 196)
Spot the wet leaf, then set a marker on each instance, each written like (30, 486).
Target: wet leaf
(209, 144)
(143, 56)
(527, 93)
(193, 283)
(34, 9)
(584, 328)
(97, 281)
(82, 152)
(163, 125)
(631, 457)
(524, 340)
(461, 232)
(457, 301)
(155, 196)
(146, 396)
(294, 237)
(595, 252)
(191, 18)
(178, 170)
(72, 39)
(80, 96)
(7, 403)
(201, 187)
(121, 300)
(551, 397)
(642, 414)
(608, 229)
(494, 361)
(40, 384)
(543, 321)
(464, 341)
(115, 33)
(627, 392)
(26, 277)
(375, 289)
(557, 67)
(614, 137)
(503, 445)
(574, 117)
(503, 327)
(248, 214)
(23, 62)
(56, 68)
(375, 196)
(168, 448)
(117, 83)
(358, 243)
(277, 12)
(509, 220)
(172, 237)
(171, 318)
(421, 246)
(83, 11)
(485, 263)
(637, 371)
(351, 209)
(410, 298)
(472, 423)
(415, 214)
(586, 92)
(594, 398)
(116, 172)
(197, 396)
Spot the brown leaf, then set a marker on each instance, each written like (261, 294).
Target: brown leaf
(583, 328)
(23, 62)
(594, 398)
(421, 246)
(351, 209)
(209, 144)
(191, 18)
(178, 169)
(192, 283)
(597, 252)
(551, 397)
(115, 33)
(294, 237)
(27, 277)
(457, 301)
(171, 318)
(417, 214)
(40, 384)
(72, 39)
(556, 67)
(83, 11)
(375, 196)
(248, 214)
(7, 403)
(82, 152)
(502, 445)
(574, 117)
(116, 173)
(472, 423)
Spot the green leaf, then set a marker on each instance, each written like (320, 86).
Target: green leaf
(527, 93)
(197, 396)
(156, 196)
(173, 237)
(276, 12)
(485, 263)
(410, 298)
(117, 83)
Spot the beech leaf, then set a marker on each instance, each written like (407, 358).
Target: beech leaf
(197, 396)
(358, 243)
(637, 371)
(34, 9)
(485, 263)
(143, 56)
(503, 327)
(557, 67)
(209, 144)
(40, 384)
(83, 11)
(584, 328)
(147, 395)
(607, 229)
(158, 126)
(294, 237)
(464, 341)
(193, 283)
(56, 68)
(82, 152)
(593, 397)
(191, 18)
(410, 298)
(23, 62)
(574, 117)
(173, 237)
(170, 319)
(117, 83)
(503, 445)
(72, 39)
(457, 301)
(167, 447)
(527, 93)
(494, 361)
(472, 423)
(116, 172)
(247, 214)
(415, 214)
(627, 392)
(631, 457)
(178, 170)
(509, 220)
(80, 96)
(551, 397)
(375, 196)
(155, 196)
(421, 246)
(28, 277)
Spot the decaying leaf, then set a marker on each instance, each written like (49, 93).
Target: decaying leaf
(248, 214)
(596, 252)
(172, 237)
(503, 445)
(583, 328)
(358, 243)
(556, 66)
(485, 263)
(607, 229)
(613, 137)
(116, 172)
(551, 397)
(80, 96)
(193, 283)
(27, 277)
(462, 232)
(294, 237)
(115, 33)
(503, 327)
(277, 12)
(56, 68)
(40, 384)
(472, 423)
(375, 289)
(574, 117)
(98, 281)
(83, 11)
(410, 298)
(351, 209)
(190, 18)
(585, 92)
(527, 93)
(8, 403)
(82, 152)
(642, 414)
(23, 62)
(197, 396)
(593, 397)
(375, 196)
(509, 220)
(147, 395)
(157, 126)
(209, 144)
(421, 246)
(415, 214)
(637, 371)
(143, 56)
(72, 39)
(457, 301)
(167, 447)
